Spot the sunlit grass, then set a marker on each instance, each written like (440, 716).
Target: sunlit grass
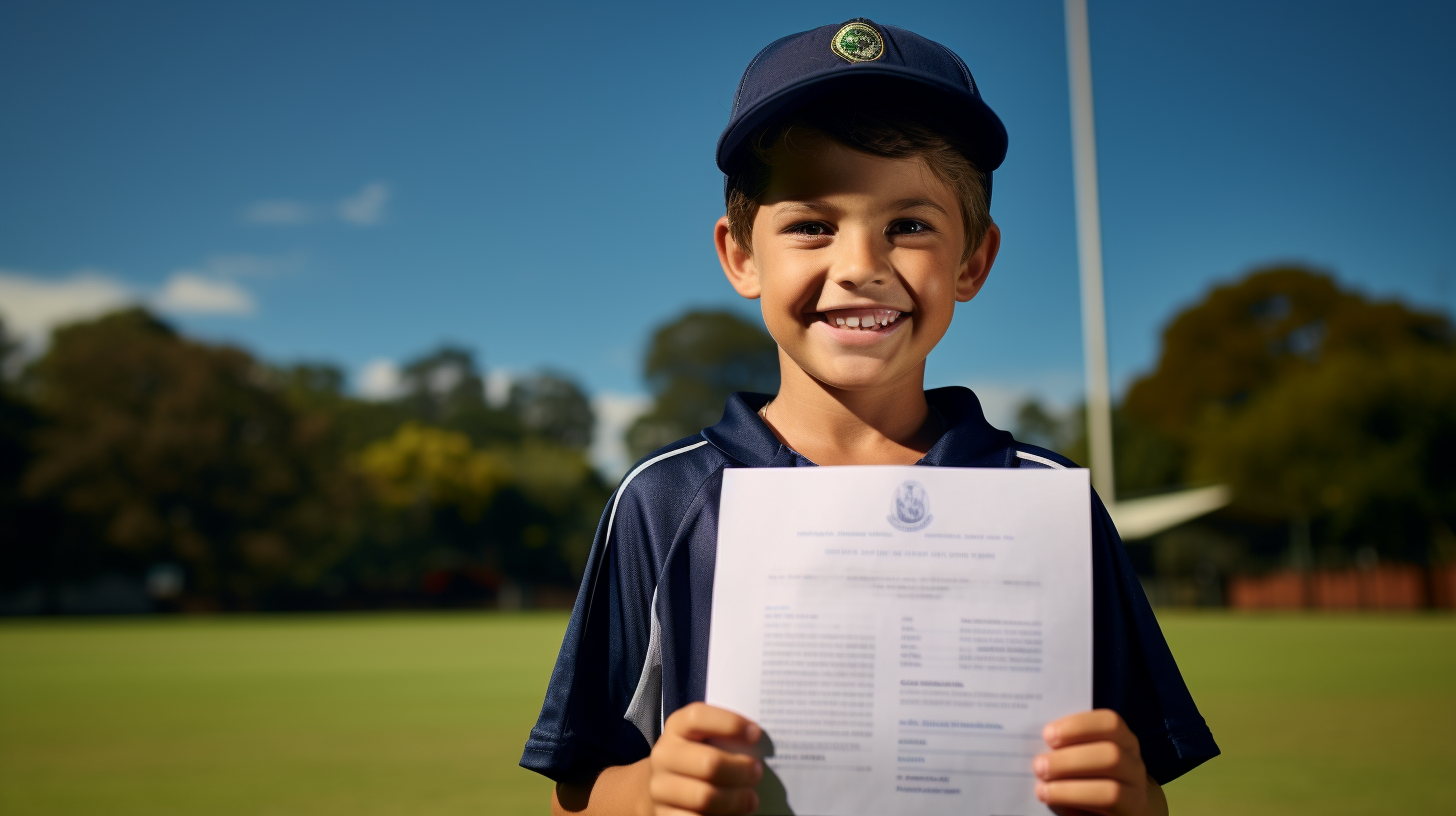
(300, 715)
(426, 714)
(1320, 714)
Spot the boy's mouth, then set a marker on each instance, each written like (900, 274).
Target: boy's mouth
(861, 319)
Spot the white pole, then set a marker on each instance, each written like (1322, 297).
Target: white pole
(1089, 252)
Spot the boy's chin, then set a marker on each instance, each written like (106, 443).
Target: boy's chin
(856, 375)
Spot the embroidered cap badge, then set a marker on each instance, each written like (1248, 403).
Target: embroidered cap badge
(910, 511)
(858, 42)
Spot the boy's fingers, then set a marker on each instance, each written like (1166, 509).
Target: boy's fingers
(700, 721)
(697, 796)
(705, 762)
(1104, 759)
(1097, 795)
(1089, 726)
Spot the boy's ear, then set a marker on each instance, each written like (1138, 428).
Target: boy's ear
(977, 268)
(737, 264)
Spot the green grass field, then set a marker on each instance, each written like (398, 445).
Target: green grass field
(425, 714)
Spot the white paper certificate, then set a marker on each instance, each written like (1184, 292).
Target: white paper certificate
(902, 634)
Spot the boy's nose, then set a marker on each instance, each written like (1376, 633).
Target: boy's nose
(861, 262)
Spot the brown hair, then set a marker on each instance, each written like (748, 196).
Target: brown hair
(888, 132)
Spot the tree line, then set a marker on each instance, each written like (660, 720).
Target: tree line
(133, 453)
(142, 469)
(1331, 415)
(177, 474)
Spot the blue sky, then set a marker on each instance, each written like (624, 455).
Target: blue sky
(357, 182)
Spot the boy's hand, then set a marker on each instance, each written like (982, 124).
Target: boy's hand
(699, 764)
(1095, 766)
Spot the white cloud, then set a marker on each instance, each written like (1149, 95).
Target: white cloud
(498, 382)
(33, 306)
(363, 209)
(210, 288)
(615, 413)
(380, 380)
(279, 211)
(190, 293)
(367, 207)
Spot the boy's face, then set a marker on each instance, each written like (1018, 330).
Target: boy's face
(857, 261)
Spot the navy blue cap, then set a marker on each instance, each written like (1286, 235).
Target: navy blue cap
(859, 56)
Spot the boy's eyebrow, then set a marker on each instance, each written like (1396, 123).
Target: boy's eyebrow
(806, 206)
(911, 203)
(809, 205)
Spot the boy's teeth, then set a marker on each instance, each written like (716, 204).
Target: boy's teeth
(861, 318)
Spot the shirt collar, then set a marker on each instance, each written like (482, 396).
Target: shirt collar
(968, 441)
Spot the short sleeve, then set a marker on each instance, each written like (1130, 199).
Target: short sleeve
(1133, 671)
(582, 728)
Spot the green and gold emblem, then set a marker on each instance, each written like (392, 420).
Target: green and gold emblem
(858, 42)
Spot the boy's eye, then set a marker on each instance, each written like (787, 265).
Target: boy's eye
(908, 228)
(810, 228)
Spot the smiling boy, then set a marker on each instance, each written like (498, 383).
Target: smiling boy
(858, 162)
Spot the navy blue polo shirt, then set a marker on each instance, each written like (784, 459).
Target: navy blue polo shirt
(636, 649)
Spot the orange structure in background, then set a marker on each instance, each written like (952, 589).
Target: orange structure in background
(1384, 587)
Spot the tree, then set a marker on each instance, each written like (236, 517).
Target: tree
(693, 365)
(1242, 340)
(1143, 458)
(23, 524)
(443, 388)
(175, 451)
(1362, 443)
(458, 519)
(443, 384)
(128, 447)
(1319, 405)
(311, 386)
(422, 466)
(1246, 336)
(1038, 426)
(554, 407)
(446, 389)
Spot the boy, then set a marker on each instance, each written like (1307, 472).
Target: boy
(858, 160)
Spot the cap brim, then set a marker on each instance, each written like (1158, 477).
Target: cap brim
(976, 125)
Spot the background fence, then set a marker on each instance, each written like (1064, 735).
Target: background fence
(1382, 587)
